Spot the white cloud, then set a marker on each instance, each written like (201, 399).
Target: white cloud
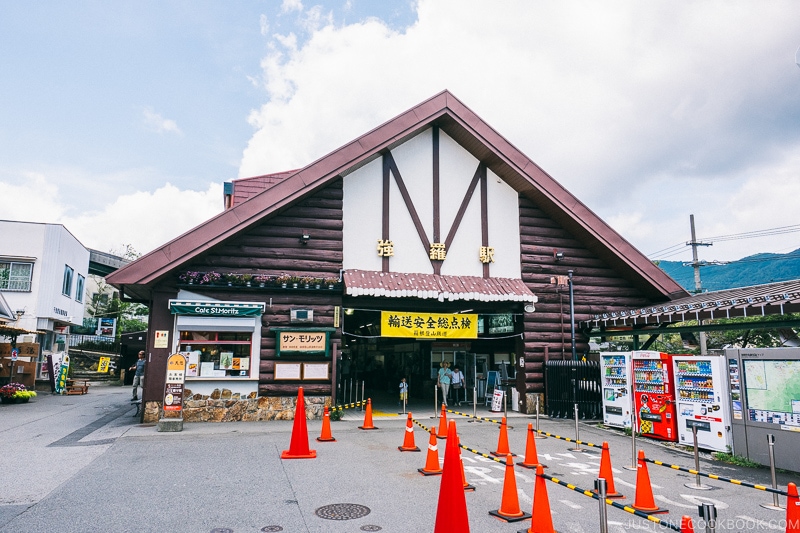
(156, 122)
(291, 5)
(144, 219)
(264, 25)
(33, 200)
(647, 112)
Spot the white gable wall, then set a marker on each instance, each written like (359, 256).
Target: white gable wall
(362, 213)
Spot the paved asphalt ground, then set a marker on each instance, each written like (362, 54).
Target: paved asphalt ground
(84, 464)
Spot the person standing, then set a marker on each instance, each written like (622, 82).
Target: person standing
(443, 380)
(138, 377)
(457, 382)
(403, 391)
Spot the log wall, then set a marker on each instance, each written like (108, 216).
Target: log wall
(597, 288)
(273, 248)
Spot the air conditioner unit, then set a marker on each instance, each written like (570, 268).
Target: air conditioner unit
(301, 315)
(30, 339)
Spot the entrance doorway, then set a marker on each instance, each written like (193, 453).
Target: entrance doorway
(377, 364)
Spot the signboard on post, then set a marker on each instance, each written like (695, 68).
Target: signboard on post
(173, 390)
(497, 401)
(103, 365)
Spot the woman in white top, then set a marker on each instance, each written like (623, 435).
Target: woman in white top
(457, 383)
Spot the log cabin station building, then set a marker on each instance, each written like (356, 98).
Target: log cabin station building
(430, 238)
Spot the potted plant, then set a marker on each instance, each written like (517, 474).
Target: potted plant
(247, 279)
(317, 283)
(261, 279)
(295, 281)
(231, 278)
(283, 280)
(189, 277)
(306, 281)
(210, 278)
(331, 282)
(15, 393)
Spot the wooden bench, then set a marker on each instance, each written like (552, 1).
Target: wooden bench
(77, 386)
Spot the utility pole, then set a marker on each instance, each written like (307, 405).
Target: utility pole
(698, 286)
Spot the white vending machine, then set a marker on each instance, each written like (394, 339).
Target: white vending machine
(617, 399)
(701, 393)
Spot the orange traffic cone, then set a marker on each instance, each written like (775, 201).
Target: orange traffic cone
(644, 492)
(368, 416)
(443, 423)
(432, 467)
(792, 509)
(607, 474)
(451, 513)
(408, 441)
(542, 520)
(509, 505)
(298, 447)
(686, 524)
(467, 486)
(531, 457)
(502, 441)
(325, 434)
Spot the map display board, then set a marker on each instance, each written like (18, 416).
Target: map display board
(772, 389)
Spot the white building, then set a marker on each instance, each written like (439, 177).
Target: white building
(43, 271)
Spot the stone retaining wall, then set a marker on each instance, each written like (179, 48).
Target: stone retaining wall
(224, 406)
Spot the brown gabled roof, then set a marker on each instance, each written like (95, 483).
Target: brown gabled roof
(246, 188)
(466, 128)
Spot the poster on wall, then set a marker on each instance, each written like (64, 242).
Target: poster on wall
(288, 371)
(192, 363)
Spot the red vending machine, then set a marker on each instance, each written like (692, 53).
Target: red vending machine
(653, 395)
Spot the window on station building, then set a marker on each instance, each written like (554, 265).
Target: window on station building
(217, 354)
(15, 276)
(79, 288)
(66, 286)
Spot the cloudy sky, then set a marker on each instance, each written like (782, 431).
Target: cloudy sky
(122, 119)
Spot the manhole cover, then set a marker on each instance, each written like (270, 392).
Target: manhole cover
(370, 527)
(265, 529)
(342, 511)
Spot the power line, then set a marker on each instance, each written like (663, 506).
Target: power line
(673, 250)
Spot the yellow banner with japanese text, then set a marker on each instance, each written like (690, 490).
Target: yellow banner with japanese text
(429, 325)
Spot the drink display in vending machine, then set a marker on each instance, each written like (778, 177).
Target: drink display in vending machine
(701, 391)
(617, 402)
(653, 395)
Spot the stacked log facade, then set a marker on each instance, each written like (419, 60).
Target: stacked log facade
(274, 248)
(596, 289)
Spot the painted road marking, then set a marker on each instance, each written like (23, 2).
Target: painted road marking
(570, 504)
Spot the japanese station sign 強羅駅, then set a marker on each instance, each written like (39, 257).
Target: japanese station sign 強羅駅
(302, 342)
(429, 325)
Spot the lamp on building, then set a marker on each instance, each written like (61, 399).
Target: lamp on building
(19, 313)
(305, 237)
(558, 256)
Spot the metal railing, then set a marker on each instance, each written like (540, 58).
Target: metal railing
(573, 382)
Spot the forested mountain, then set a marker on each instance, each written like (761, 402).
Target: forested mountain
(753, 270)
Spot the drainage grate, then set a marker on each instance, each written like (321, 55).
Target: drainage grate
(370, 527)
(266, 529)
(222, 530)
(342, 511)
